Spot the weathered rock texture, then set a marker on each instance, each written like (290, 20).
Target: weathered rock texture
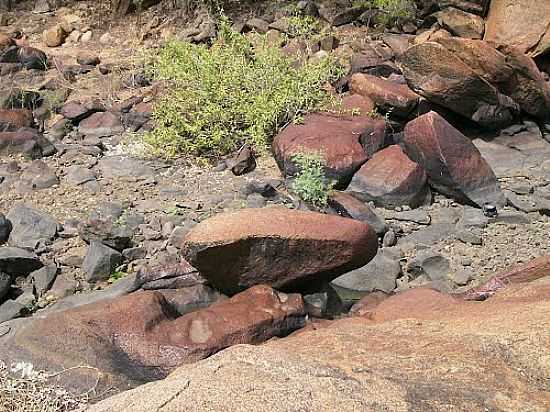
(286, 249)
(417, 351)
(137, 338)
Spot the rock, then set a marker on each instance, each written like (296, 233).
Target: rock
(55, 36)
(469, 237)
(390, 179)
(428, 236)
(32, 58)
(431, 264)
(100, 261)
(77, 175)
(440, 76)
(12, 120)
(5, 228)
(453, 164)
(348, 206)
(391, 97)
(181, 275)
(418, 216)
(137, 338)
(191, 299)
(115, 167)
(25, 141)
(5, 285)
(341, 142)
(38, 175)
(461, 23)
(30, 227)
(390, 239)
(520, 23)
(244, 162)
(43, 279)
(18, 262)
(283, 248)
(11, 309)
(61, 288)
(101, 124)
(88, 59)
(16, 98)
(473, 218)
(258, 25)
(379, 274)
(346, 16)
(75, 111)
(113, 233)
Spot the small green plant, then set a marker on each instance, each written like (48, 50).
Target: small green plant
(310, 183)
(231, 93)
(392, 10)
(116, 276)
(303, 26)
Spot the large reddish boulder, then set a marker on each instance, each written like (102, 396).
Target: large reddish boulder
(444, 78)
(390, 179)
(387, 95)
(521, 23)
(286, 249)
(139, 337)
(14, 119)
(344, 141)
(453, 164)
(25, 141)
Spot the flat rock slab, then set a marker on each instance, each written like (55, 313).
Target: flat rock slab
(113, 167)
(286, 249)
(15, 261)
(137, 338)
(30, 226)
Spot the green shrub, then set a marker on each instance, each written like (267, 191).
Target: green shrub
(303, 26)
(229, 94)
(392, 10)
(310, 183)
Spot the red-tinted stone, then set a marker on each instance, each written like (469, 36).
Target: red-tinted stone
(348, 206)
(101, 124)
(14, 119)
(25, 141)
(286, 249)
(390, 179)
(453, 164)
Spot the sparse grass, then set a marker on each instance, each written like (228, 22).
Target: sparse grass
(392, 10)
(230, 94)
(116, 276)
(310, 183)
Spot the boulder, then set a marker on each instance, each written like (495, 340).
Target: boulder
(461, 23)
(478, 7)
(30, 226)
(54, 36)
(524, 24)
(442, 77)
(192, 298)
(441, 351)
(101, 124)
(18, 262)
(453, 164)
(389, 96)
(11, 309)
(349, 206)
(339, 140)
(5, 285)
(139, 337)
(25, 141)
(32, 58)
(38, 175)
(111, 232)
(286, 249)
(390, 179)
(5, 228)
(100, 261)
(14, 119)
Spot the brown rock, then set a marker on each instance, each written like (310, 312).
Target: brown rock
(453, 164)
(443, 78)
(349, 206)
(244, 162)
(14, 119)
(441, 354)
(390, 179)
(524, 24)
(461, 23)
(5, 42)
(32, 58)
(337, 139)
(25, 141)
(387, 95)
(54, 37)
(101, 124)
(286, 249)
(138, 337)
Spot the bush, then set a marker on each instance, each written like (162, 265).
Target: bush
(310, 183)
(392, 10)
(230, 94)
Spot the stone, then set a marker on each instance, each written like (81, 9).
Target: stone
(54, 36)
(347, 15)
(258, 25)
(316, 304)
(137, 338)
(286, 249)
(390, 179)
(390, 239)
(32, 58)
(340, 141)
(244, 162)
(38, 175)
(520, 23)
(18, 262)
(101, 124)
(100, 261)
(453, 164)
(30, 227)
(75, 111)
(12, 120)
(469, 237)
(180, 275)
(88, 59)
(443, 78)
(428, 235)
(397, 99)
(460, 23)
(5, 285)
(111, 232)
(379, 274)
(5, 228)
(61, 288)
(43, 279)
(27, 142)
(11, 309)
(114, 167)
(191, 298)
(433, 265)
(77, 175)
(418, 216)
(349, 206)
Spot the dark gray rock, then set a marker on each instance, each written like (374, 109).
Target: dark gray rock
(43, 279)
(100, 261)
(38, 175)
(469, 236)
(5, 285)
(192, 298)
(429, 235)
(472, 217)
(119, 166)
(511, 218)
(134, 253)
(417, 216)
(316, 304)
(115, 234)
(433, 265)
(30, 226)
(379, 274)
(5, 228)
(11, 309)
(18, 262)
(77, 175)
(348, 206)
